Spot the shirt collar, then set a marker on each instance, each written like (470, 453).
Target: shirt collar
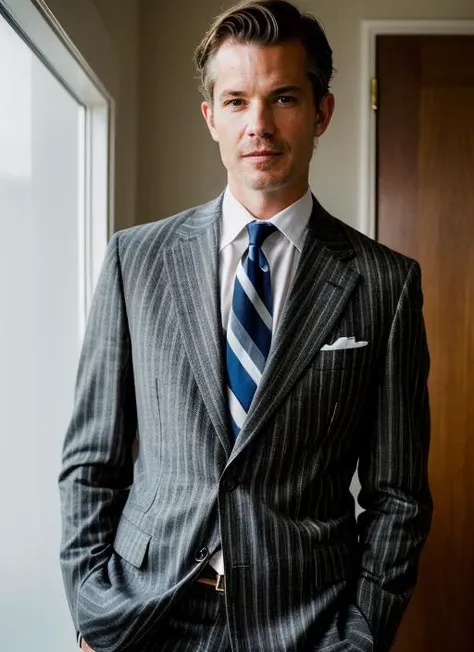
(292, 221)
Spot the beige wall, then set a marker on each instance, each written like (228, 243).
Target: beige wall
(179, 165)
(121, 21)
(106, 34)
(85, 28)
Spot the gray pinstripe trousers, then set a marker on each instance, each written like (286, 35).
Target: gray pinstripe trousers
(197, 624)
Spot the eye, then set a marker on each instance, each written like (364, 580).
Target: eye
(234, 104)
(286, 99)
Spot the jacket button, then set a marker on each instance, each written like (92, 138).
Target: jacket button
(201, 554)
(229, 483)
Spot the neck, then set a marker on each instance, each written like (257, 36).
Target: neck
(264, 205)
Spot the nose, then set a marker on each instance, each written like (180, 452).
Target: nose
(260, 120)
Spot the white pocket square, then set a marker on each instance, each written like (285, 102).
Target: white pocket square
(344, 343)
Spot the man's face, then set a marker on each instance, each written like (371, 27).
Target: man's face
(264, 116)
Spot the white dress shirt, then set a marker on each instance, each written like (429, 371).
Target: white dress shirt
(282, 250)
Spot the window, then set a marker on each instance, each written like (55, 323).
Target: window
(54, 207)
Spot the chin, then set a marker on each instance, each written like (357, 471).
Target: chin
(267, 182)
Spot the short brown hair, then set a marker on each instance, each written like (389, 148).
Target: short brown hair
(267, 22)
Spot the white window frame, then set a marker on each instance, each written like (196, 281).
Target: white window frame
(34, 21)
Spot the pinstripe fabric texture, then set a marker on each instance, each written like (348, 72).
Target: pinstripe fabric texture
(153, 480)
(199, 623)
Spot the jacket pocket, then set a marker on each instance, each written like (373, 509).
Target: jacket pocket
(334, 360)
(131, 542)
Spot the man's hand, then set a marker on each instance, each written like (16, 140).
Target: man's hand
(85, 647)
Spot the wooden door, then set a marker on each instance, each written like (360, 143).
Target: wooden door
(425, 206)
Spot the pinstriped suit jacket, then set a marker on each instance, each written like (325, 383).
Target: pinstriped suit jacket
(152, 480)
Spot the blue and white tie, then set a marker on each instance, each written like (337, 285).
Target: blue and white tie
(249, 332)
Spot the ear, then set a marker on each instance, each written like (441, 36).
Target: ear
(206, 110)
(324, 114)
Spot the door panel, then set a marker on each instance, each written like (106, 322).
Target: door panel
(425, 206)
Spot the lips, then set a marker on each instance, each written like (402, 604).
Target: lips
(261, 154)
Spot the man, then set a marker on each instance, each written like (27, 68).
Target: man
(240, 359)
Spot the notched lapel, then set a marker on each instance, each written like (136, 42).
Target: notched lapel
(322, 287)
(192, 273)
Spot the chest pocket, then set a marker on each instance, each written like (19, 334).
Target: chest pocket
(352, 358)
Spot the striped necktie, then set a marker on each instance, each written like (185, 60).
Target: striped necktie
(249, 332)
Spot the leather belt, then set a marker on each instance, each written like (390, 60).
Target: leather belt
(217, 582)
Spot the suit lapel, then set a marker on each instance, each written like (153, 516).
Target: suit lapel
(192, 268)
(323, 284)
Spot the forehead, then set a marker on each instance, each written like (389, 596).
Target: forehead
(239, 64)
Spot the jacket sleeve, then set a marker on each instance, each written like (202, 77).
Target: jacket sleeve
(393, 472)
(97, 455)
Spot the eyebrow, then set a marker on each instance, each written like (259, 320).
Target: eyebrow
(287, 89)
(281, 90)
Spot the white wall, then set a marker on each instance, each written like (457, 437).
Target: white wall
(179, 165)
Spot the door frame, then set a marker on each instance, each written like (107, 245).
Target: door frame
(370, 30)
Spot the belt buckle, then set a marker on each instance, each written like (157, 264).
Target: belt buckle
(220, 583)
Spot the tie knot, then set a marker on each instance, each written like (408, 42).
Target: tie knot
(259, 232)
